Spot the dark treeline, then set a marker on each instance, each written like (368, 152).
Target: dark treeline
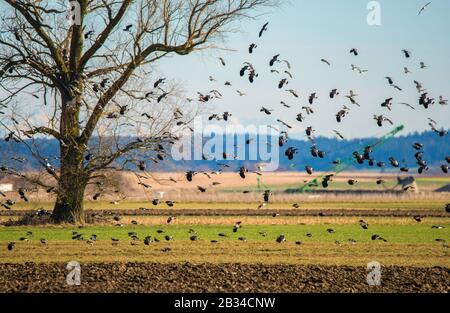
(435, 150)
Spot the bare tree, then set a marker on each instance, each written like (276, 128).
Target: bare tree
(81, 74)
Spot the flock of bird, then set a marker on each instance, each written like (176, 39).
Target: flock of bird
(248, 70)
(282, 67)
(193, 235)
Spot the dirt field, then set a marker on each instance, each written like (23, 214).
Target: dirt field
(106, 215)
(146, 277)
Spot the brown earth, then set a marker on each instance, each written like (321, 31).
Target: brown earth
(147, 277)
(249, 212)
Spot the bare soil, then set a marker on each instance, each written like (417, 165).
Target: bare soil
(248, 212)
(149, 278)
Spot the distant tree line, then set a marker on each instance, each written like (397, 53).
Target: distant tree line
(435, 150)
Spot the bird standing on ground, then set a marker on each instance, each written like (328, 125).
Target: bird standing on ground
(281, 238)
(363, 224)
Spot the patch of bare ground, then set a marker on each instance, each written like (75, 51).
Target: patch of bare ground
(150, 277)
(27, 217)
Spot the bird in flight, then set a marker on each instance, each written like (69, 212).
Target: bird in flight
(442, 101)
(408, 105)
(424, 7)
(274, 59)
(339, 134)
(326, 62)
(358, 69)
(263, 29)
(293, 92)
(354, 51)
(406, 53)
(128, 28)
(266, 111)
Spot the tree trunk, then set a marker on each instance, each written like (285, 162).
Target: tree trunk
(73, 178)
(69, 202)
(69, 206)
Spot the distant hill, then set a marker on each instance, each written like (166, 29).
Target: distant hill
(435, 150)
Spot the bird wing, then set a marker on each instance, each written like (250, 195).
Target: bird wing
(287, 63)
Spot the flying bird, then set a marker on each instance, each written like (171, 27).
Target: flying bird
(380, 119)
(128, 28)
(339, 134)
(266, 111)
(293, 92)
(358, 69)
(274, 59)
(424, 7)
(312, 97)
(406, 53)
(442, 101)
(287, 64)
(326, 62)
(354, 51)
(333, 93)
(263, 29)
(408, 105)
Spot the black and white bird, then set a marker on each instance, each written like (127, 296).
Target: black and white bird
(334, 93)
(363, 224)
(281, 238)
(274, 59)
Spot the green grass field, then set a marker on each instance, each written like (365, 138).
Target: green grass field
(419, 233)
(407, 244)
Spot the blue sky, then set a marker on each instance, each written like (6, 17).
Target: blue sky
(305, 31)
